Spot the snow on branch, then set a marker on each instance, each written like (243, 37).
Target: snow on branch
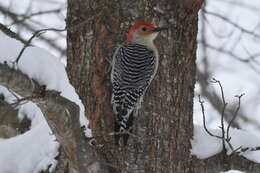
(41, 78)
(55, 108)
(61, 114)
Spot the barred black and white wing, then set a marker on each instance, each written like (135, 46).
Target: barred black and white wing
(134, 66)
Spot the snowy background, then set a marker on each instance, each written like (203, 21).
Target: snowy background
(235, 75)
(231, 56)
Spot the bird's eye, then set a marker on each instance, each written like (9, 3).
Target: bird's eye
(144, 28)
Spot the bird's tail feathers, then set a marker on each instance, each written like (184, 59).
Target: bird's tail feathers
(123, 123)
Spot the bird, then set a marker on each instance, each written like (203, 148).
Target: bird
(134, 66)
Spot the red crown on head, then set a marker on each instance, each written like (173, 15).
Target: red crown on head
(136, 26)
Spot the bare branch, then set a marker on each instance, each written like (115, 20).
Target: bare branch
(25, 17)
(26, 45)
(10, 33)
(30, 28)
(226, 138)
(37, 33)
(230, 53)
(231, 23)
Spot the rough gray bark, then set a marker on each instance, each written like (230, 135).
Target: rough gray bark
(9, 123)
(222, 162)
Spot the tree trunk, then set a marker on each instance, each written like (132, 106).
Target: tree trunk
(163, 127)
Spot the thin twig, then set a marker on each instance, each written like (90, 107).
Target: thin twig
(23, 100)
(241, 150)
(36, 33)
(226, 139)
(235, 115)
(13, 93)
(204, 121)
(25, 16)
(14, 17)
(222, 127)
(10, 33)
(249, 149)
(26, 45)
(236, 151)
(230, 53)
(231, 23)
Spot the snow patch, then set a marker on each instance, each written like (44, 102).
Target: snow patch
(232, 171)
(205, 146)
(32, 151)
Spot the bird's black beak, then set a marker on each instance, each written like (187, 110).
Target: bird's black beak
(158, 29)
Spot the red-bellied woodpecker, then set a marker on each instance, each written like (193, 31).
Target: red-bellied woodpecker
(134, 66)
